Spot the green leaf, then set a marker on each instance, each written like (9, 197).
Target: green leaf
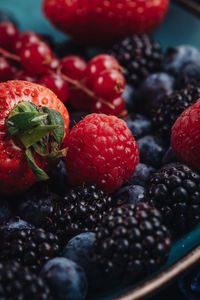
(24, 121)
(42, 151)
(36, 134)
(54, 117)
(38, 173)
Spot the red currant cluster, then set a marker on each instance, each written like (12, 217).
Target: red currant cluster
(96, 86)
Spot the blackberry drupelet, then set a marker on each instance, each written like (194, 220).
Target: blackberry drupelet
(175, 191)
(80, 210)
(171, 108)
(139, 55)
(30, 247)
(19, 283)
(131, 241)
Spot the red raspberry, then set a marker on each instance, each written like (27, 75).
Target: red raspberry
(185, 138)
(102, 151)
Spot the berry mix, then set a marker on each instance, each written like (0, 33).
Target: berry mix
(97, 200)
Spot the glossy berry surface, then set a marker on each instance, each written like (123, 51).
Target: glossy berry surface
(66, 279)
(55, 83)
(185, 136)
(98, 64)
(36, 57)
(110, 84)
(74, 67)
(8, 35)
(5, 69)
(25, 38)
(102, 150)
(117, 109)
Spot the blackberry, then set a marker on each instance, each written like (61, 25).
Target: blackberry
(171, 108)
(30, 247)
(79, 211)
(139, 55)
(175, 191)
(19, 283)
(132, 241)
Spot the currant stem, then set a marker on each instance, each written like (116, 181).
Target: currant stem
(76, 84)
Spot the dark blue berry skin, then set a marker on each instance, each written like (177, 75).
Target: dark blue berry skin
(80, 249)
(69, 47)
(190, 74)
(6, 17)
(139, 125)
(66, 279)
(151, 150)
(76, 117)
(16, 223)
(130, 194)
(153, 90)
(168, 157)
(129, 97)
(176, 57)
(5, 211)
(58, 182)
(141, 174)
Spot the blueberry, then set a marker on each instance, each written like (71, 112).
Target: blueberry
(141, 174)
(75, 117)
(80, 249)
(130, 194)
(6, 17)
(129, 97)
(151, 150)
(16, 223)
(176, 57)
(139, 125)
(190, 74)
(169, 157)
(5, 211)
(58, 182)
(66, 279)
(153, 90)
(70, 47)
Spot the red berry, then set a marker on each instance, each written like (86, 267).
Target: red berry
(102, 151)
(185, 137)
(55, 83)
(25, 38)
(74, 67)
(8, 35)
(55, 63)
(5, 69)
(24, 75)
(79, 100)
(98, 64)
(118, 110)
(36, 57)
(110, 84)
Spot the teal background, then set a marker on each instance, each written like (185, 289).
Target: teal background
(179, 27)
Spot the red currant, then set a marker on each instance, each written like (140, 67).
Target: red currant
(25, 38)
(98, 64)
(55, 83)
(24, 75)
(5, 69)
(79, 100)
(74, 67)
(110, 84)
(8, 35)
(118, 110)
(36, 57)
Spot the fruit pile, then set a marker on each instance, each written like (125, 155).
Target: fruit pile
(94, 201)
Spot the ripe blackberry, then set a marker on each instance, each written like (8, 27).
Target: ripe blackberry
(175, 191)
(139, 55)
(132, 241)
(79, 211)
(31, 247)
(171, 108)
(19, 283)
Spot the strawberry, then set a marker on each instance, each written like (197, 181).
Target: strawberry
(32, 130)
(98, 22)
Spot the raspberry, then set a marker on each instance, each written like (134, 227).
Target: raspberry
(102, 151)
(185, 136)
